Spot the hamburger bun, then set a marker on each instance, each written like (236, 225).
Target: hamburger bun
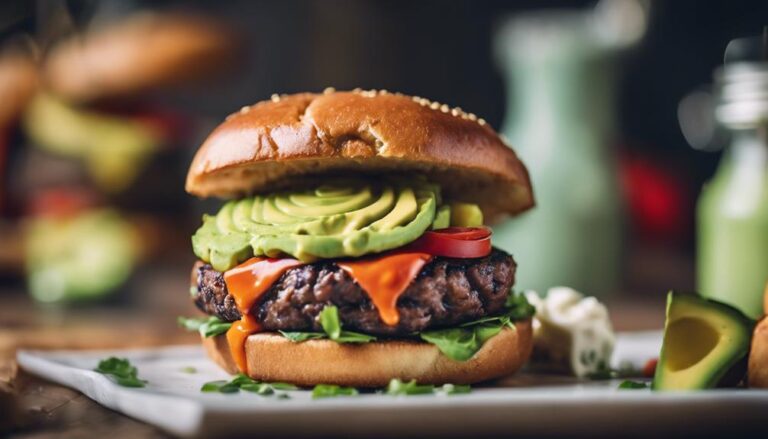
(18, 83)
(274, 358)
(141, 53)
(269, 145)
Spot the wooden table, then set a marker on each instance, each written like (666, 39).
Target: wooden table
(34, 408)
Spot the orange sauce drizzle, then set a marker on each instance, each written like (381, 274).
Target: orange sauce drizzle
(236, 337)
(385, 278)
(246, 283)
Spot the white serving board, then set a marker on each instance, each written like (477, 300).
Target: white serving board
(524, 405)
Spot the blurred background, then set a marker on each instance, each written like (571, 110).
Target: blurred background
(104, 103)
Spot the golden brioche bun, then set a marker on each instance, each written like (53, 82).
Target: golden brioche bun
(142, 52)
(265, 146)
(272, 358)
(757, 368)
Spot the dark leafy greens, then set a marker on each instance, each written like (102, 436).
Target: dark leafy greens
(329, 320)
(121, 371)
(207, 327)
(463, 342)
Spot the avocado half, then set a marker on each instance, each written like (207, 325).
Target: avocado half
(704, 342)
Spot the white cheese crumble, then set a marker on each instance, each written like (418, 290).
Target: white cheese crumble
(571, 332)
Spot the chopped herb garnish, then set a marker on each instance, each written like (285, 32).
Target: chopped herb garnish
(332, 390)
(629, 384)
(188, 369)
(398, 387)
(456, 389)
(120, 371)
(207, 327)
(248, 384)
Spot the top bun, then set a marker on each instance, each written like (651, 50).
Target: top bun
(141, 53)
(265, 146)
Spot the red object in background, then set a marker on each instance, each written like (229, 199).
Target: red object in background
(649, 370)
(61, 202)
(169, 125)
(658, 200)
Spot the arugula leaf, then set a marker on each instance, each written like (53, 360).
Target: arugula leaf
(398, 387)
(461, 343)
(353, 337)
(120, 371)
(332, 390)
(209, 327)
(518, 307)
(329, 320)
(629, 384)
(248, 384)
(458, 344)
(455, 389)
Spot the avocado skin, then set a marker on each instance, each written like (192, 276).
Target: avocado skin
(725, 363)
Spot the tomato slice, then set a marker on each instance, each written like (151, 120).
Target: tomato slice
(466, 233)
(454, 242)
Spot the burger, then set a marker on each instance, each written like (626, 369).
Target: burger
(352, 249)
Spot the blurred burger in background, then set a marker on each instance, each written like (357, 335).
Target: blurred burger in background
(89, 147)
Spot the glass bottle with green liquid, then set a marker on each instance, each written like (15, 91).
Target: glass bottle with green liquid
(732, 212)
(560, 69)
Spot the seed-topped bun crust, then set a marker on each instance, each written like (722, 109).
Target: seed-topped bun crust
(272, 357)
(267, 146)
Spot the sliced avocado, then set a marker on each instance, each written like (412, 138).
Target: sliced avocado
(466, 215)
(704, 341)
(341, 218)
(442, 217)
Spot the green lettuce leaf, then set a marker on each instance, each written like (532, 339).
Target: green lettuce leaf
(329, 320)
(121, 371)
(463, 342)
(207, 327)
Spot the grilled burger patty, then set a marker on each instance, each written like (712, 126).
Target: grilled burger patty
(447, 292)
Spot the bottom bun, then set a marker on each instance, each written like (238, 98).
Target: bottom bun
(273, 358)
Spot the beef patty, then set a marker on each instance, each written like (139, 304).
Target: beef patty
(447, 292)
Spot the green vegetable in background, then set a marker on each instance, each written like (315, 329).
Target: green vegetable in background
(207, 327)
(80, 257)
(120, 371)
(332, 390)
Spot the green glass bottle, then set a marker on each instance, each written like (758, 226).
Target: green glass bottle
(732, 212)
(560, 121)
